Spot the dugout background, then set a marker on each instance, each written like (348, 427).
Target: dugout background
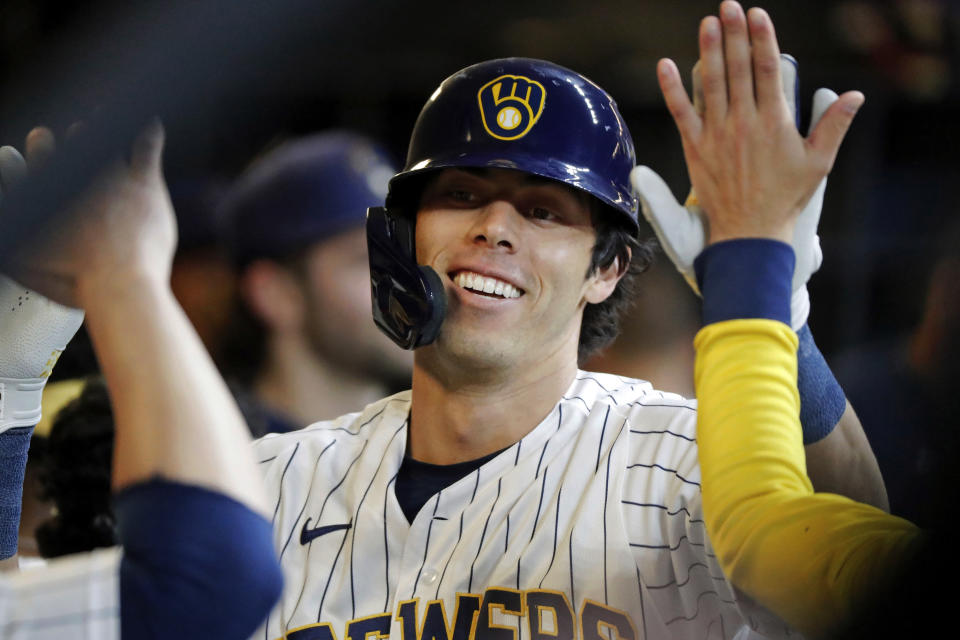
(889, 202)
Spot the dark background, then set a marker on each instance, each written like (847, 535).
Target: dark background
(258, 73)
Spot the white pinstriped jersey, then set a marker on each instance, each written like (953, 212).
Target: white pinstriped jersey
(73, 597)
(588, 527)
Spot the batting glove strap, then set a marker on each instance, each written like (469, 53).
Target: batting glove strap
(20, 402)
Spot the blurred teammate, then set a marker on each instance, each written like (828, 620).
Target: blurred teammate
(196, 558)
(302, 345)
(816, 559)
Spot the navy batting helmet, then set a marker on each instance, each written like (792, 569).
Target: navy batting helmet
(515, 113)
(525, 114)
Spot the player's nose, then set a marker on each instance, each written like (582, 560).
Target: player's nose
(495, 225)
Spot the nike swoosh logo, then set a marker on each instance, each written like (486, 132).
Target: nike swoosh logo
(307, 534)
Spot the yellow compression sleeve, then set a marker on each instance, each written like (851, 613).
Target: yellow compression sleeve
(811, 558)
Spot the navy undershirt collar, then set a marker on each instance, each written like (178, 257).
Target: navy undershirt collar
(418, 481)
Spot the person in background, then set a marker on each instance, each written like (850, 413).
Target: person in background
(302, 345)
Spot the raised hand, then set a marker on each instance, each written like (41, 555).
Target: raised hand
(122, 231)
(752, 170)
(33, 329)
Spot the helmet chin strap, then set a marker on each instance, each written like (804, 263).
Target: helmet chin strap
(409, 301)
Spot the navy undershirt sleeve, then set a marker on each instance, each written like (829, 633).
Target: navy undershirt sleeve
(196, 564)
(746, 278)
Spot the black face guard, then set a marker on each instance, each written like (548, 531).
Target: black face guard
(408, 299)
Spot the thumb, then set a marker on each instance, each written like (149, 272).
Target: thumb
(679, 229)
(829, 132)
(822, 100)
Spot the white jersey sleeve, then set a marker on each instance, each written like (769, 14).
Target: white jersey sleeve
(77, 596)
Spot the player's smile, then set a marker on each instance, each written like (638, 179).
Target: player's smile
(485, 284)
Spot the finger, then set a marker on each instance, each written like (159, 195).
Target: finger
(684, 115)
(13, 168)
(822, 99)
(40, 145)
(825, 139)
(788, 82)
(766, 61)
(698, 105)
(736, 48)
(712, 73)
(147, 148)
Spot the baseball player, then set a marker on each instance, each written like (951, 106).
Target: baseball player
(197, 558)
(812, 558)
(301, 346)
(509, 493)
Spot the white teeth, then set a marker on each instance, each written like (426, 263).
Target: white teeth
(477, 282)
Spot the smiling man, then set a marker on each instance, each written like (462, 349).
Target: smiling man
(509, 494)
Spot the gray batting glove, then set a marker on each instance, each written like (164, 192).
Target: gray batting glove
(682, 229)
(33, 331)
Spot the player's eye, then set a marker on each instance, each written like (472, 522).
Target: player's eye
(542, 213)
(462, 195)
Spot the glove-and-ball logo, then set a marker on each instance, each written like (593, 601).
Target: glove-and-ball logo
(510, 106)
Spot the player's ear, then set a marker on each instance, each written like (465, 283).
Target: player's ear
(602, 282)
(272, 295)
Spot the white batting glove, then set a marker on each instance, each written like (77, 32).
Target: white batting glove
(33, 332)
(682, 229)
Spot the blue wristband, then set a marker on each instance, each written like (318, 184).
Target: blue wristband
(14, 445)
(745, 278)
(822, 401)
(751, 278)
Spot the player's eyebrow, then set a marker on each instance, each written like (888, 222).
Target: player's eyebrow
(527, 179)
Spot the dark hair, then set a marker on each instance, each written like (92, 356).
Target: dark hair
(75, 475)
(601, 322)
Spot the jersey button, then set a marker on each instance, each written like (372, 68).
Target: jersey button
(430, 576)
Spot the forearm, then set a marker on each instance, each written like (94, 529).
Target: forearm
(839, 458)
(843, 463)
(174, 416)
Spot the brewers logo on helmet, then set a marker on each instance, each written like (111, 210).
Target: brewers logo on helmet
(510, 106)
